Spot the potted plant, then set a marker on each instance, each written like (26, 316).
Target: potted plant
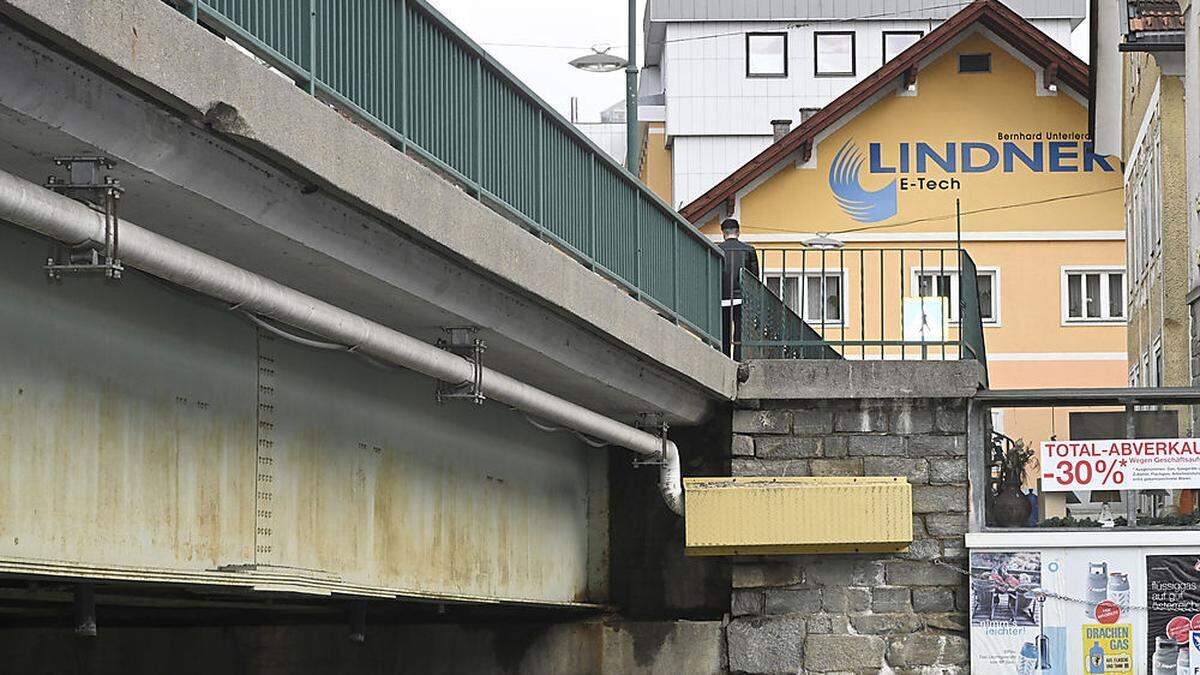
(1010, 508)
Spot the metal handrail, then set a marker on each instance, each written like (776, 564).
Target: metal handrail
(406, 70)
(815, 286)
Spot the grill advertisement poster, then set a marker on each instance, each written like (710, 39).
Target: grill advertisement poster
(1173, 611)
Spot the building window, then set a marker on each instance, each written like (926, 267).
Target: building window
(1143, 206)
(974, 63)
(895, 42)
(828, 297)
(1093, 295)
(943, 283)
(834, 54)
(766, 55)
(1158, 364)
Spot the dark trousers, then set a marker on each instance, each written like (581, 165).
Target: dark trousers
(731, 331)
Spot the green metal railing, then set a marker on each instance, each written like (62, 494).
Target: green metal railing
(861, 304)
(772, 330)
(403, 68)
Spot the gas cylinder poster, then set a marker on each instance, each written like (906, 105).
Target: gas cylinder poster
(1143, 464)
(1091, 600)
(1006, 613)
(1173, 610)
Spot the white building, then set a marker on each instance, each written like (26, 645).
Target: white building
(718, 72)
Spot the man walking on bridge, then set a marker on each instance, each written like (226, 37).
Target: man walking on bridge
(738, 256)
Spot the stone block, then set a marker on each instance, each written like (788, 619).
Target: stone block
(918, 526)
(811, 422)
(920, 573)
(955, 622)
(762, 421)
(786, 601)
(948, 471)
(843, 653)
(939, 499)
(766, 644)
(742, 446)
(875, 446)
(927, 649)
(865, 418)
(887, 624)
(946, 524)
(891, 599)
(836, 467)
(858, 599)
(923, 549)
(933, 599)
(937, 446)
(834, 447)
(825, 571)
(951, 419)
(745, 602)
(828, 623)
(787, 447)
(910, 417)
(767, 575)
(915, 470)
(954, 549)
(746, 466)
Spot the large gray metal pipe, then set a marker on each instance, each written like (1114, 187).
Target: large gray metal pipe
(49, 213)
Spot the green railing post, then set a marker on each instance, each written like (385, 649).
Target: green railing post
(541, 169)
(194, 10)
(478, 87)
(637, 251)
(675, 272)
(312, 47)
(592, 209)
(405, 80)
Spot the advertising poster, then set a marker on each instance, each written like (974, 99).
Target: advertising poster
(1056, 611)
(1143, 464)
(1006, 616)
(1173, 610)
(1107, 648)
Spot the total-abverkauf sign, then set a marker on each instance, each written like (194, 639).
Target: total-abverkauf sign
(1121, 464)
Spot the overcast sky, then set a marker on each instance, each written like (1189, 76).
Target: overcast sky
(576, 24)
(567, 28)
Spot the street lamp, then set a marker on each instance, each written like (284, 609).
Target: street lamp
(599, 61)
(602, 62)
(822, 242)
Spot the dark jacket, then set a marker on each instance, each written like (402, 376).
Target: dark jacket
(738, 256)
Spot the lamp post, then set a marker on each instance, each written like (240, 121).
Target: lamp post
(631, 84)
(600, 61)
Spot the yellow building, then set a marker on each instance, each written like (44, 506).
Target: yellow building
(984, 111)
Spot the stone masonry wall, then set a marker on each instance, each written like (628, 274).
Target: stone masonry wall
(857, 613)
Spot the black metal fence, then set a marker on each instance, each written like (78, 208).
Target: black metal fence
(865, 303)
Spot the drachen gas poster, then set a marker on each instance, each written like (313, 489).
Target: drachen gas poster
(1173, 610)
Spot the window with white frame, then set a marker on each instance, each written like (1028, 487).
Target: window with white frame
(833, 54)
(1093, 295)
(814, 301)
(766, 55)
(1143, 204)
(943, 283)
(895, 42)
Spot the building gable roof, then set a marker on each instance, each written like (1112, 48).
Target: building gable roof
(992, 14)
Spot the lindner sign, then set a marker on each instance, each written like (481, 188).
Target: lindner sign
(918, 166)
(1121, 464)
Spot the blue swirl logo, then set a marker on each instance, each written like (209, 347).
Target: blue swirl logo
(859, 203)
